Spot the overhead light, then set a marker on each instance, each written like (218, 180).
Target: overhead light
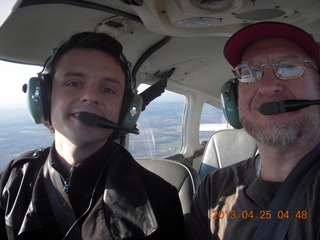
(197, 22)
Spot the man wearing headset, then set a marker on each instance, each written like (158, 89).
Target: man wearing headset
(276, 194)
(86, 186)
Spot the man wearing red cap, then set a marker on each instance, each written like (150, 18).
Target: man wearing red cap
(276, 194)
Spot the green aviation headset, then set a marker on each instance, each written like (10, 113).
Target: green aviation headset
(229, 102)
(39, 97)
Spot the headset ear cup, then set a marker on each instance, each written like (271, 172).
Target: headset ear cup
(229, 102)
(132, 113)
(35, 99)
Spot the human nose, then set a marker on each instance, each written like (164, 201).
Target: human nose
(91, 95)
(269, 83)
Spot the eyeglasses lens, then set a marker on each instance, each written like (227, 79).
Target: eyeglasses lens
(285, 68)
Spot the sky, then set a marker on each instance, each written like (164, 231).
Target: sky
(12, 77)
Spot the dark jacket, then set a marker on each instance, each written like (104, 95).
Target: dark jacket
(126, 201)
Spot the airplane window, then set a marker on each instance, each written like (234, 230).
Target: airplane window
(212, 120)
(18, 133)
(160, 127)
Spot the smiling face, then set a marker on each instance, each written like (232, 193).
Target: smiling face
(85, 80)
(280, 129)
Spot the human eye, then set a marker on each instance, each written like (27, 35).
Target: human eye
(248, 73)
(73, 84)
(108, 90)
(289, 68)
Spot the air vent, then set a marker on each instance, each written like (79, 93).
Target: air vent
(262, 14)
(117, 25)
(213, 4)
(199, 22)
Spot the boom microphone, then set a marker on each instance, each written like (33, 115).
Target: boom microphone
(96, 121)
(271, 108)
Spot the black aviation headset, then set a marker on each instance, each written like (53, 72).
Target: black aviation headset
(39, 92)
(229, 102)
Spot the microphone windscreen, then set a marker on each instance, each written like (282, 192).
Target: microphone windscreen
(269, 108)
(88, 118)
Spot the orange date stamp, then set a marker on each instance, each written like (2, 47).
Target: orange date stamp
(258, 215)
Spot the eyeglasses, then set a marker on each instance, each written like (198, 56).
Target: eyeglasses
(285, 68)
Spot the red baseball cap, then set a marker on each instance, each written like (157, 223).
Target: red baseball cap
(246, 36)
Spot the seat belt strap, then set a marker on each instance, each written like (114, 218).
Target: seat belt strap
(61, 207)
(288, 197)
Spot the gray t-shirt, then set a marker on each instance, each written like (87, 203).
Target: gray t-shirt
(231, 202)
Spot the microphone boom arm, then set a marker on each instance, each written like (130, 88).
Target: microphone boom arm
(96, 121)
(271, 108)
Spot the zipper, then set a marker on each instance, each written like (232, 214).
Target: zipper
(67, 182)
(66, 186)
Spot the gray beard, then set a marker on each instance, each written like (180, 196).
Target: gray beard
(281, 134)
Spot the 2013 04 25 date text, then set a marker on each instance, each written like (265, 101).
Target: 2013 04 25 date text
(265, 214)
